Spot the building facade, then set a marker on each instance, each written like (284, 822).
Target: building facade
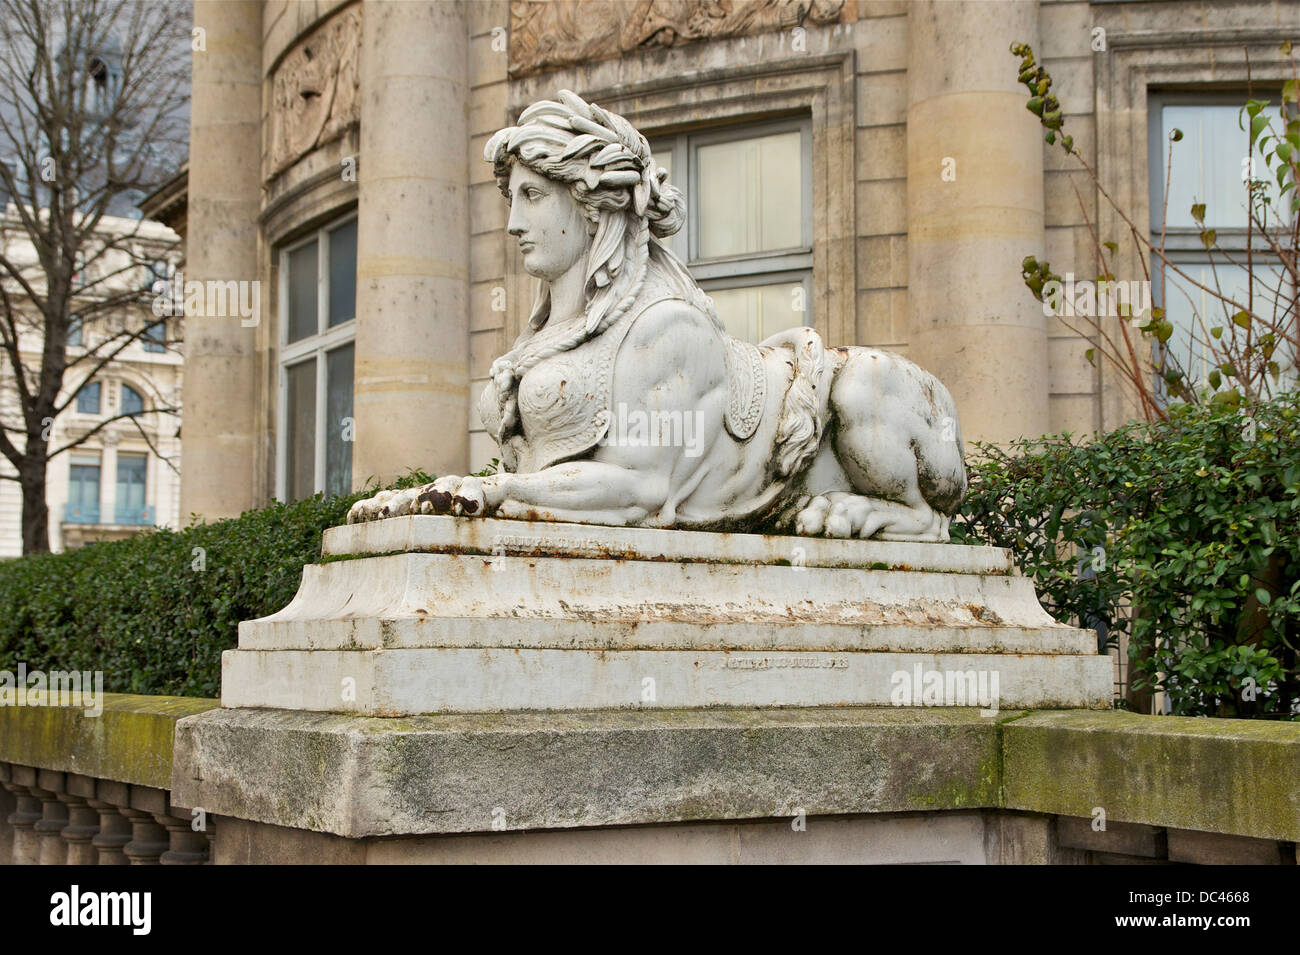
(867, 168)
(120, 473)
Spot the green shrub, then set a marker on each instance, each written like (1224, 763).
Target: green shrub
(154, 612)
(1184, 534)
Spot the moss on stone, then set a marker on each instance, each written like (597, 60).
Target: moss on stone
(130, 741)
(1215, 775)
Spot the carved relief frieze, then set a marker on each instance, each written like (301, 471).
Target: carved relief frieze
(546, 34)
(315, 90)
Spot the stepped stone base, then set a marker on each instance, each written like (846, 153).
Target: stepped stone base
(428, 614)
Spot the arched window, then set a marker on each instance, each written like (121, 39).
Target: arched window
(132, 400)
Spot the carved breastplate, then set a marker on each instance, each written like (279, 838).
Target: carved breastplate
(566, 401)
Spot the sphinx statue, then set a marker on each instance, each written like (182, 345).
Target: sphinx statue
(786, 436)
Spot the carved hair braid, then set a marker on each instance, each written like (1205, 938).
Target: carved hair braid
(608, 167)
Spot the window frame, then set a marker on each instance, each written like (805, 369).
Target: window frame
(1183, 245)
(124, 387)
(153, 338)
(118, 510)
(85, 459)
(311, 347)
(769, 267)
(1186, 238)
(99, 398)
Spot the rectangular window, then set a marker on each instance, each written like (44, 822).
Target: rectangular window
(88, 398)
(303, 319)
(155, 335)
(74, 331)
(343, 273)
(131, 471)
(338, 423)
(300, 450)
(1212, 165)
(318, 281)
(83, 490)
(748, 233)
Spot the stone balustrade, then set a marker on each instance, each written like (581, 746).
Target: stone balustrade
(95, 790)
(873, 784)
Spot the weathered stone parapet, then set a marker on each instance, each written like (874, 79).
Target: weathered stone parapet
(462, 773)
(94, 789)
(131, 741)
(848, 784)
(1237, 777)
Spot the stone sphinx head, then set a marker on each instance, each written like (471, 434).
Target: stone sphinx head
(585, 193)
(582, 183)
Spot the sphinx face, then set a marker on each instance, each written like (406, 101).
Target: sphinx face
(547, 222)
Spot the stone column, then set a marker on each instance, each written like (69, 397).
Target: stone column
(974, 211)
(412, 396)
(220, 380)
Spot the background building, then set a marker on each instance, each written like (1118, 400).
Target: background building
(124, 476)
(866, 167)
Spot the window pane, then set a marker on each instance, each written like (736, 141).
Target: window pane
(303, 320)
(756, 312)
(338, 423)
(130, 488)
(343, 273)
(83, 493)
(300, 443)
(132, 401)
(74, 330)
(750, 195)
(1209, 165)
(1194, 312)
(155, 335)
(664, 159)
(88, 398)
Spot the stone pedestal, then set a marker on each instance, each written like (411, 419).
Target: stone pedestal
(427, 614)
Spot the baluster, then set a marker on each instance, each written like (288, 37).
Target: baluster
(27, 844)
(54, 816)
(187, 847)
(79, 833)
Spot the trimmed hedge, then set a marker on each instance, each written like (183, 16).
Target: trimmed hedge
(1183, 534)
(154, 612)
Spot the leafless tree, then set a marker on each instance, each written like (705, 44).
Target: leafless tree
(93, 116)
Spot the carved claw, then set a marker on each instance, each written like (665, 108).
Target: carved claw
(462, 496)
(469, 499)
(370, 508)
